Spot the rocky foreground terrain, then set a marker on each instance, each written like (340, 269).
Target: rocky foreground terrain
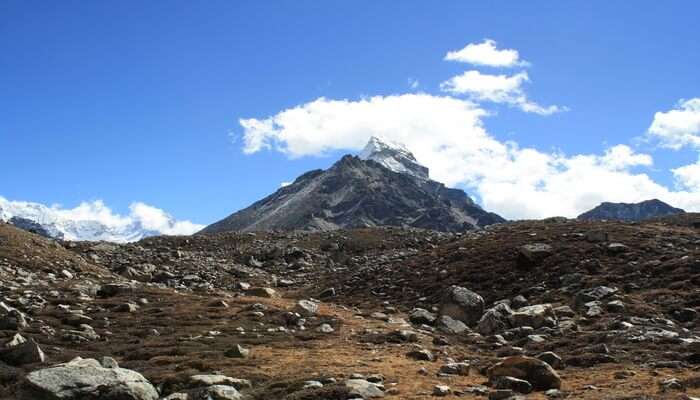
(539, 310)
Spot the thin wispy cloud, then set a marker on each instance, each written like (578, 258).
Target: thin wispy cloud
(506, 89)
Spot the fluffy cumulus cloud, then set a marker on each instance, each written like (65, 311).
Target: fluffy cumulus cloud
(678, 127)
(496, 88)
(447, 134)
(96, 221)
(486, 53)
(688, 176)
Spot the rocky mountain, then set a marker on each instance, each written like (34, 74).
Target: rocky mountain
(631, 211)
(34, 227)
(53, 223)
(385, 186)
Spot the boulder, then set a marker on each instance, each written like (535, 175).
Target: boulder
(421, 316)
(20, 351)
(537, 372)
(461, 369)
(237, 351)
(450, 325)
(536, 316)
(364, 389)
(113, 289)
(463, 305)
(421, 355)
(86, 379)
(306, 308)
(552, 359)
(533, 254)
(441, 390)
(495, 320)
(514, 384)
(222, 392)
(262, 292)
(11, 318)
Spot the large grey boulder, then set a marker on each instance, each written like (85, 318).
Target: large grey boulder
(463, 305)
(364, 388)
(86, 379)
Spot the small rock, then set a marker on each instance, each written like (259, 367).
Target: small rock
(262, 292)
(514, 384)
(441, 390)
(420, 316)
(237, 351)
(461, 369)
(538, 373)
(306, 308)
(421, 355)
(552, 359)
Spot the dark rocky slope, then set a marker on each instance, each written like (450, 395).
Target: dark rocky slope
(357, 193)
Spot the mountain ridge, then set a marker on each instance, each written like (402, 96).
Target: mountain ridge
(631, 211)
(384, 187)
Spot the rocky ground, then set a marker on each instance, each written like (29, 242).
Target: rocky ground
(538, 310)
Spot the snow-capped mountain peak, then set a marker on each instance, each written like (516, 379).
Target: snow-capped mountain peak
(93, 221)
(393, 156)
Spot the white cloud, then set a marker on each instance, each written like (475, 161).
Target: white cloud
(486, 53)
(678, 127)
(498, 89)
(688, 176)
(413, 83)
(95, 221)
(283, 184)
(447, 135)
(155, 219)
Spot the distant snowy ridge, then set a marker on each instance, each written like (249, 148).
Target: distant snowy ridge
(95, 221)
(393, 156)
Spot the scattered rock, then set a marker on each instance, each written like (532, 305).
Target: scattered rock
(421, 355)
(364, 389)
(463, 305)
(538, 373)
(514, 384)
(20, 351)
(306, 308)
(533, 254)
(441, 390)
(237, 351)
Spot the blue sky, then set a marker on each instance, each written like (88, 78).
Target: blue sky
(128, 101)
